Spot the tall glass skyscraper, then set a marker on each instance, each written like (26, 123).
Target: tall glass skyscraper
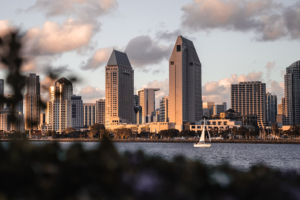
(291, 101)
(271, 108)
(32, 102)
(185, 92)
(119, 84)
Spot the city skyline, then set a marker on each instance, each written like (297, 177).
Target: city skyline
(261, 61)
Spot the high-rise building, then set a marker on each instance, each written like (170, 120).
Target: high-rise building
(119, 86)
(42, 119)
(89, 114)
(291, 104)
(100, 110)
(147, 102)
(249, 98)
(59, 108)
(6, 122)
(225, 106)
(1, 92)
(184, 84)
(279, 110)
(217, 109)
(271, 108)
(77, 111)
(164, 109)
(32, 102)
(18, 106)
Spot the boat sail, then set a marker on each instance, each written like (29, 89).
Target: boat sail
(201, 142)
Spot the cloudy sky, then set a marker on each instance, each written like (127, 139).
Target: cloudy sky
(236, 40)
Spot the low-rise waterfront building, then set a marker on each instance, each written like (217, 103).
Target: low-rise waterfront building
(220, 124)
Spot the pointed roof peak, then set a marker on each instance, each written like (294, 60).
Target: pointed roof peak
(118, 58)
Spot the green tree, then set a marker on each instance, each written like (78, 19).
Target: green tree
(187, 133)
(90, 134)
(95, 129)
(169, 133)
(123, 133)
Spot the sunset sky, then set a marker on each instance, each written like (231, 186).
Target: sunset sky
(236, 40)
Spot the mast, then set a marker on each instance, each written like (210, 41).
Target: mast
(203, 133)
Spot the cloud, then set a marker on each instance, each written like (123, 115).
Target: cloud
(54, 38)
(143, 51)
(91, 94)
(267, 19)
(99, 59)
(164, 89)
(276, 88)
(172, 36)
(5, 27)
(168, 36)
(282, 73)
(270, 66)
(219, 91)
(84, 10)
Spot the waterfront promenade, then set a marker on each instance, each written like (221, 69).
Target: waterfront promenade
(192, 140)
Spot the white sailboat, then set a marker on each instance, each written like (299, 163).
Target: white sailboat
(201, 142)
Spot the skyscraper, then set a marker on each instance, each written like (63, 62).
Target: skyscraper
(164, 109)
(1, 91)
(249, 98)
(89, 114)
(59, 108)
(291, 104)
(100, 111)
(185, 83)
(32, 101)
(147, 102)
(119, 84)
(77, 111)
(271, 108)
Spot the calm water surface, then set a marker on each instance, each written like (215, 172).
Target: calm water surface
(242, 156)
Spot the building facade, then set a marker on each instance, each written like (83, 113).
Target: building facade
(271, 108)
(249, 98)
(164, 109)
(185, 92)
(291, 104)
(100, 110)
(6, 122)
(77, 111)
(119, 90)
(89, 114)
(32, 102)
(217, 109)
(59, 108)
(147, 102)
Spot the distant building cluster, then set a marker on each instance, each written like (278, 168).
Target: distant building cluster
(251, 105)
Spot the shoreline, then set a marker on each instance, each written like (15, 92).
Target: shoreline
(165, 141)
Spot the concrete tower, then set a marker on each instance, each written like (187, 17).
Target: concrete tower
(147, 102)
(185, 91)
(89, 114)
(164, 109)
(119, 85)
(100, 111)
(77, 111)
(249, 98)
(32, 100)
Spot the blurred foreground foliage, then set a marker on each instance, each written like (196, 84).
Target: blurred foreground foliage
(30, 171)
